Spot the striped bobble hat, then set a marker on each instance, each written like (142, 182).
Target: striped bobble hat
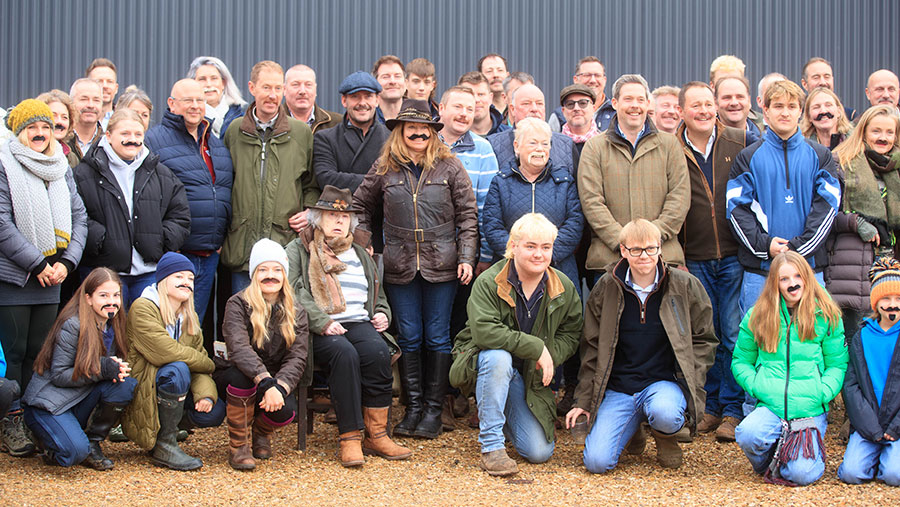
(885, 277)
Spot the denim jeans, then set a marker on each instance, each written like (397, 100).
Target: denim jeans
(722, 280)
(240, 280)
(865, 460)
(133, 286)
(502, 410)
(204, 280)
(757, 435)
(422, 313)
(175, 378)
(64, 433)
(619, 416)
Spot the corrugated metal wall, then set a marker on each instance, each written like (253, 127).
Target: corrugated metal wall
(47, 43)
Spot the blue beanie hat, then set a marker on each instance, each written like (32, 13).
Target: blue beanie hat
(172, 262)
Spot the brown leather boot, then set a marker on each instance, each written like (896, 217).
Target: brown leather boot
(725, 431)
(350, 452)
(638, 441)
(377, 441)
(447, 419)
(263, 433)
(709, 423)
(668, 452)
(238, 414)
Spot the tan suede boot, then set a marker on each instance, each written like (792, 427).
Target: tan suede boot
(668, 452)
(350, 452)
(239, 412)
(377, 441)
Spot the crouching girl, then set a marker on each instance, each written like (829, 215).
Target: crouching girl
(790, 356)
(872, 387)
(79, 372)
(171, 367)
(266, 336)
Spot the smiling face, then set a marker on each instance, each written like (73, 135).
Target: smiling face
(188, 100)
(300, 89)
(818, 74)
(528, 102)
(883, 88)
(106, 300)
(390, 77)
(39, 135)
(790, 284)
(593, 75)
(495, 70)
(578, 110)
(733, 103)
(823, 112)
(126, 139)
(87, 101)
(532, 256)
(267, 91)
(335, 224)
(417, 145)
(533, 150)
(213, 85)
(61, 120)
(667, 117)
(179, 287)
(360, 107)
(881, 133)
(888, 308)
(482, 100)
(644, 264)
(631, 106)
(107, 79)
(270, 276)
(699, 110)
(458, 113)
(783, 115)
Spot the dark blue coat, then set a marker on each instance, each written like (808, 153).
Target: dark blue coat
(234, 111)
(210, 203)
(553, 194)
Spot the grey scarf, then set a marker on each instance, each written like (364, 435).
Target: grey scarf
(42, 205)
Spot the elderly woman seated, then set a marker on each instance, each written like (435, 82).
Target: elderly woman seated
(336, 281)
(536, 185)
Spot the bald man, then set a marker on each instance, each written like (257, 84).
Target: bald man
(186, 144)
(883, 88)
(300, 99)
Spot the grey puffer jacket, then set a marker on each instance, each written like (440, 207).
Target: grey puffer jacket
(55, 390)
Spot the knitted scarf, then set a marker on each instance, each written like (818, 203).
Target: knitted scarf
(862, 194)
(42, 206)
(324, 267)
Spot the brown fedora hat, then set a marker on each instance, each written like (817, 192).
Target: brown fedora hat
(414, 111)
(334, 199)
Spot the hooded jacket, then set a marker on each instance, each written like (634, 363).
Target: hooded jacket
(867, 417)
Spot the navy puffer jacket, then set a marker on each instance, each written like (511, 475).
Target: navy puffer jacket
(210, 202)
(553, 194)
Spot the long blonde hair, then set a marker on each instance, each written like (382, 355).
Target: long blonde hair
(190, 323)
(856, 141)
(843, 123)
(765, 323)
(395, 154)
(261, 311)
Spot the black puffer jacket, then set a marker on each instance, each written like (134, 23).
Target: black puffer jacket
(866, 416)
(160, 223)
(849, 260)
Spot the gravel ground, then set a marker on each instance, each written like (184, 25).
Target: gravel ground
(441, 472)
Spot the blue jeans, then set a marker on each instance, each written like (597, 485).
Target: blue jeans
(500, 391)
(240, 280)
(204, 280)
(64, 433)
(757, 435)
(722, 280)
(175, 378)
(133, 286)
(422, 313)
(619, 416)
(865, 460)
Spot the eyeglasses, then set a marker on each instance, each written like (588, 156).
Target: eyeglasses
(582, 104)
(589, 75)
(189, 101)
(637, 251)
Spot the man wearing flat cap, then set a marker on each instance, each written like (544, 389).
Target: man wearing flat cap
(577, 102)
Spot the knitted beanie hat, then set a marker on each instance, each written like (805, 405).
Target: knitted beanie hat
(266, 250)
(885, 277)
(27, 112)
(172, 262)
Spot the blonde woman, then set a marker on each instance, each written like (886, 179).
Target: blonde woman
(266, 335)
(63, 120)
(172, 369)
(823, 118)
(790, 356)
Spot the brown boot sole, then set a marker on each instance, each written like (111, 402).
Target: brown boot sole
(395, 457)
(500, 473)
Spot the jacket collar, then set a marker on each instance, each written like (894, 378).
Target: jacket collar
(248, 124)
(176, 122)
(621, 268)
(505, 291)
(464, 143)
(320, 116)
(792, 142)
(649, 130)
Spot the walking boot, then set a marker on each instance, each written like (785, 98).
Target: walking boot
(635, 446)
(263, 433)
(668, 452)
(498, 463)
(350, 452)
(709, 423)
(239, 410)
(105, 416)
(437, 373)
(410, 364)
(166, 452)
(377, 441)
(15, 439)
(447, 420)
(725, 431)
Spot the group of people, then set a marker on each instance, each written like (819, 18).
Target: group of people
(643, 262)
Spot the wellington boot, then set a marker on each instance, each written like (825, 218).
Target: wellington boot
(105, 416)
(350, 452)
(166, 452)
(437, 382)
(377, 441)
(410, 364)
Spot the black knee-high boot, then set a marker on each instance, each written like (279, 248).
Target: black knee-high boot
(411, 380)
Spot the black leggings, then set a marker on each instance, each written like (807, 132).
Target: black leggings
(22, 332)
(358, 364)
(235, 377)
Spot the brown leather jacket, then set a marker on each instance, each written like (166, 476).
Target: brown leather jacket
(430, 223)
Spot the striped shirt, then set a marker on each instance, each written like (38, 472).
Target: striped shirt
(355, 287)
(478, 158)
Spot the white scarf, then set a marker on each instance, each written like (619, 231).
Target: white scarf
(42, 205)
(216, 115)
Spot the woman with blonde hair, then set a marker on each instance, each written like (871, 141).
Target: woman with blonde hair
(63, 120)
(430, 242)
(869, 221)
(175, 389)
(266, 338)
(138, 101)
(790, 356)
(823, 119)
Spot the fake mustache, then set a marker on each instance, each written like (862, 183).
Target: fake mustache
(793, 288)
(270, 280)
(185, 286)
(135, 144)
(423, 137)
(59, 127)
(824, 115)
(891, 311)
(207, 90)
(38, 138)
(111, 310)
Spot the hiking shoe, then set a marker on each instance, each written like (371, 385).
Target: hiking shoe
(725, 432)
(708, 423)
(498, 463)
(13, 437)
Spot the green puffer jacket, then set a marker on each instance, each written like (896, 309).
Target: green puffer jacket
(149, 347)
(805, 374)
(492, 325)
(273, 180)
